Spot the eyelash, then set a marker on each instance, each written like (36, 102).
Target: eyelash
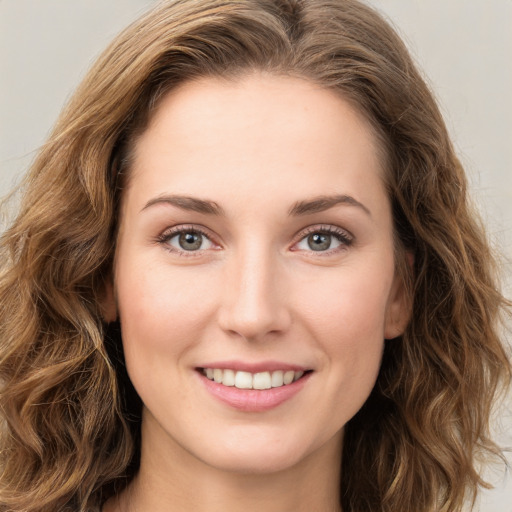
(168, 234)
(345, 238)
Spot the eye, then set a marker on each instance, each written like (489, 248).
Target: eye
(187, 240)
(318, 242)
(324, 239)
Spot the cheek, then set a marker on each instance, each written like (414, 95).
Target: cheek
(348, 305)
(346, 316)
(159, 309)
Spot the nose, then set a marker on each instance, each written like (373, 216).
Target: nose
(254, 304)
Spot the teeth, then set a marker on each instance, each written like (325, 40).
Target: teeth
(228, 378)
(243, 380)
(262, 381)
(288, 377)
(246, 380)
(297, 375)
(277, 379)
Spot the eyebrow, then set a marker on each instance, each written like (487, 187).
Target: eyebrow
(187, 203)
(322, 203)
(306, 207)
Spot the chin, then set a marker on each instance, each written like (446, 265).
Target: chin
(256, 453)
(257, 462)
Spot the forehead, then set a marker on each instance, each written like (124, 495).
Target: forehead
(214, 136)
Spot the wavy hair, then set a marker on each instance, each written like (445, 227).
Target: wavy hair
(70, 420)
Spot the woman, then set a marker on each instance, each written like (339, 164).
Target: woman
(244, 274)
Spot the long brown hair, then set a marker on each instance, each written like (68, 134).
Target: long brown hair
(69, 437)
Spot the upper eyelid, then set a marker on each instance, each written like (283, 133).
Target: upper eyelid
(329, 228)
(183, 228)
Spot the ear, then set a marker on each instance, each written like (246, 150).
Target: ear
(108, 302)
(399, 306)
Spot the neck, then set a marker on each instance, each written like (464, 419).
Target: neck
(171, 479)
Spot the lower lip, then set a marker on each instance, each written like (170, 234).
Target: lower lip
(254, 400)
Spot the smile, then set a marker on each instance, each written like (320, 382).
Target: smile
(247, 380)
(263, 389)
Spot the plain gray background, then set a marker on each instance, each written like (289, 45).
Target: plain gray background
(464, 47)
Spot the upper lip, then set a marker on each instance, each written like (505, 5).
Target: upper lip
(254, 367)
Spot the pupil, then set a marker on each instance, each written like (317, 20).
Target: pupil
(190, 241)
(319, 241)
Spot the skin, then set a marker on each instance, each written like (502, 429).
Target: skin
(254, 291)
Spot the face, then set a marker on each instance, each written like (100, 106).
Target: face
(254, 274)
